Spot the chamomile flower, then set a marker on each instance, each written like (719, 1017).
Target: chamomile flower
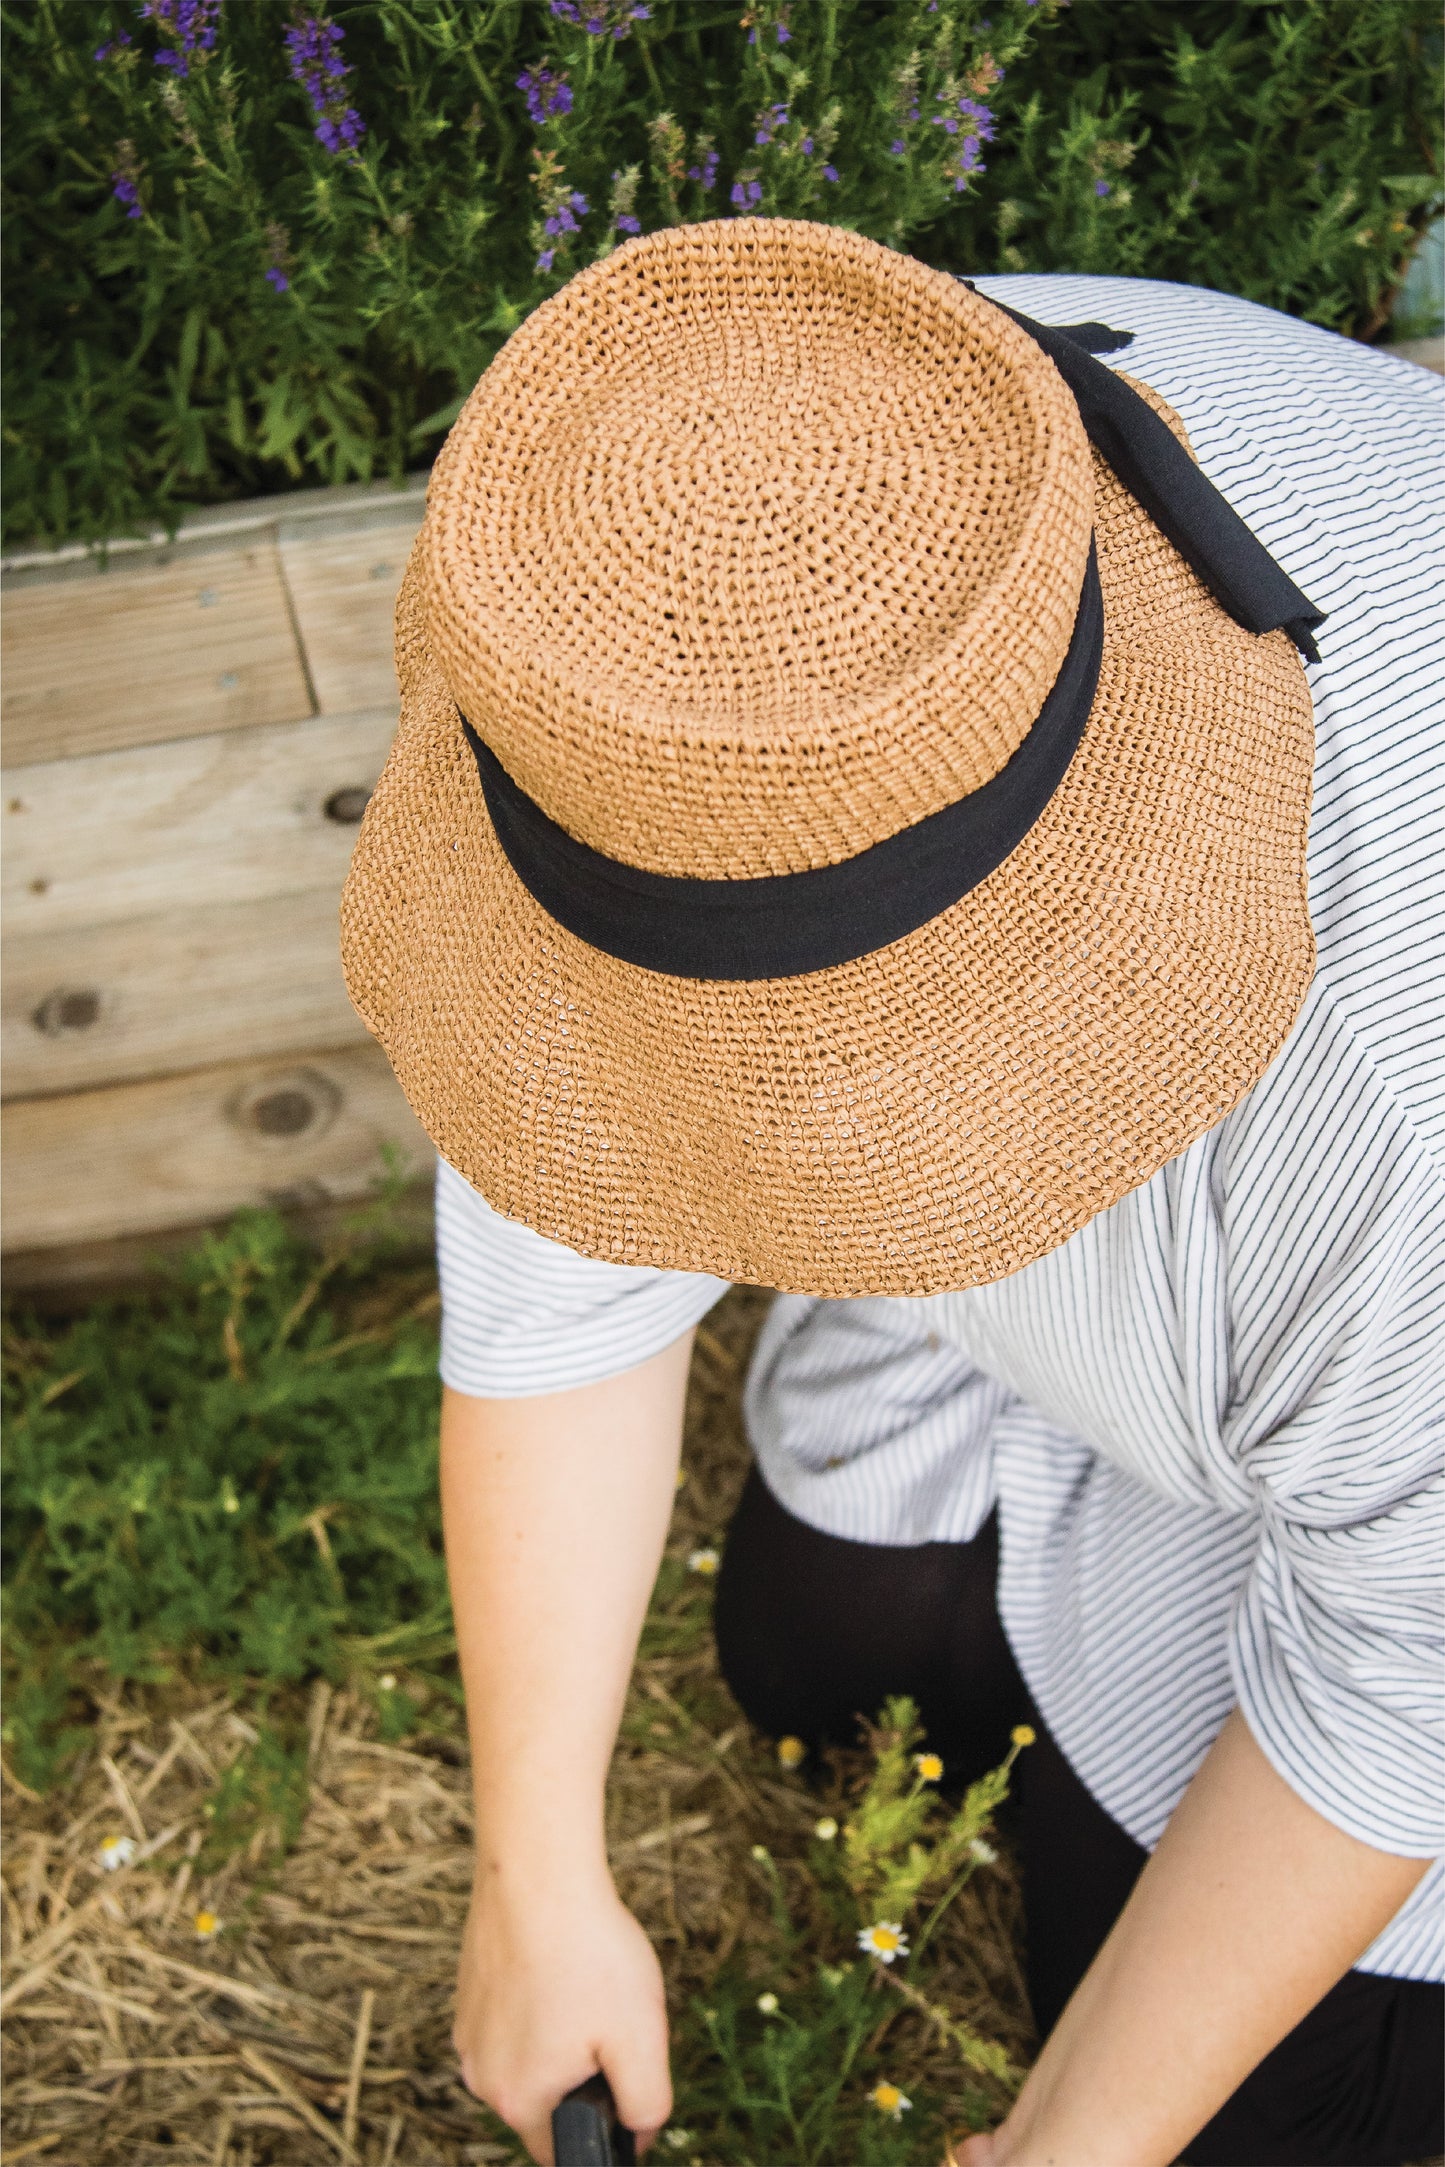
(884, 1939)
(386, 1683)
(929, 1767)
(888, 2099)
(768, 2003)
(1023, 1734)
(207, 1925)
(116, 1851)
(705, 1561)
(826, 1829)
(983, 1854)
(791, 1753)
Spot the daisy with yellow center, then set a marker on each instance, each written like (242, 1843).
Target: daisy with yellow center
(116, 1851)
(704, 1561)
(929, 1766)
(889, 2100)
(791, 1753)
(983, 1854)
(207, 1925)
(884, 1939)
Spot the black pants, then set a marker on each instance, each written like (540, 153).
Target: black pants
(813, 1631)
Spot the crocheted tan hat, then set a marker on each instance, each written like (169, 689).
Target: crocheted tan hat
(835, 838)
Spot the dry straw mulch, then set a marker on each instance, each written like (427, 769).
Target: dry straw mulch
(314, 2025)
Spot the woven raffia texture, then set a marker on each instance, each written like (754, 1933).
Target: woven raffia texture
(758, 543)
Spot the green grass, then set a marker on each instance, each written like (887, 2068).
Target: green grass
(235, 1479)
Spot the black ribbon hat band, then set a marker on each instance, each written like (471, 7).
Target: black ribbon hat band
(783, 925)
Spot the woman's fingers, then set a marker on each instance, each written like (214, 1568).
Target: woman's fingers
(970, 2151)
(635, 2065)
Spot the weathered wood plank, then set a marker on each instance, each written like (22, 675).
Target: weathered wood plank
(136, 654)
(71, 1275)
(136, 1158)
(87, 1005)
(343, 588)
(235, 816)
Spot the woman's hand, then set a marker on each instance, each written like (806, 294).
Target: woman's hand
(553, 1984)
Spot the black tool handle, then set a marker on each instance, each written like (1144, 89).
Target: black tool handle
(586, 2131)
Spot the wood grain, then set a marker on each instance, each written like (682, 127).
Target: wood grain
(236, 816)
(136, 1158)
(343, 589)
(86, 1005)
(136, 654)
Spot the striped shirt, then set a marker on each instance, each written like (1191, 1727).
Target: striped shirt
(1211, 1423)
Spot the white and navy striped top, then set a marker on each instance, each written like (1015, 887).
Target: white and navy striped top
(1212, 1421)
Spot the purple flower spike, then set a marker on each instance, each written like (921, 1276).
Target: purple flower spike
(830, 173)
(1101, 188)
(628, 224)
(317, 66)
(785, 35)
(899, 148)
(192, 23)
(544, 261)
(115, 45)
(548, 96)
(124, 189)
(278, 279)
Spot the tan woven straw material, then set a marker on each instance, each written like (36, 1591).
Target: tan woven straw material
(756, 544)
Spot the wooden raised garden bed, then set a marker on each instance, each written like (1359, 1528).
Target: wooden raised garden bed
(191, 733)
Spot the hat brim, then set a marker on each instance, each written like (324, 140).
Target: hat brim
(935, 1115)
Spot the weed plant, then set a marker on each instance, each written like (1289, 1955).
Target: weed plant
(253, 243)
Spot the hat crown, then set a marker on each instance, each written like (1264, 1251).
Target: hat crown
(755, 544)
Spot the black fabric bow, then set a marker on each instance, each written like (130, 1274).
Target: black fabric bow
(1178, 496)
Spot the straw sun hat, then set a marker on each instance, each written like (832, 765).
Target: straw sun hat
(847, 823)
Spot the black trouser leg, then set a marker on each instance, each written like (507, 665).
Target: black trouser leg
(814, 1631)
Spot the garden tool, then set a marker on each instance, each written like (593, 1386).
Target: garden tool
(586, 2131)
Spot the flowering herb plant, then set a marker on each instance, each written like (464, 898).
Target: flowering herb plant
(253, 243)
(811, 2067)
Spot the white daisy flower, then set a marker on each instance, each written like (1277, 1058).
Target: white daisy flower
(705, 1561)
(116, 1851)
(885, 1940)
(889, 2100)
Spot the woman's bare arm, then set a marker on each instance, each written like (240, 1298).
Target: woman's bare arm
(1250, 1909)
(555, 1511)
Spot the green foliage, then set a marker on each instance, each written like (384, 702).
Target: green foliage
(204, 300)
(260, 1796)
(239, 1479)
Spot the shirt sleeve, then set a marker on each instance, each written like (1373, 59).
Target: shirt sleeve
(866, 1424)
(1336, 1641)
(523, 1316)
